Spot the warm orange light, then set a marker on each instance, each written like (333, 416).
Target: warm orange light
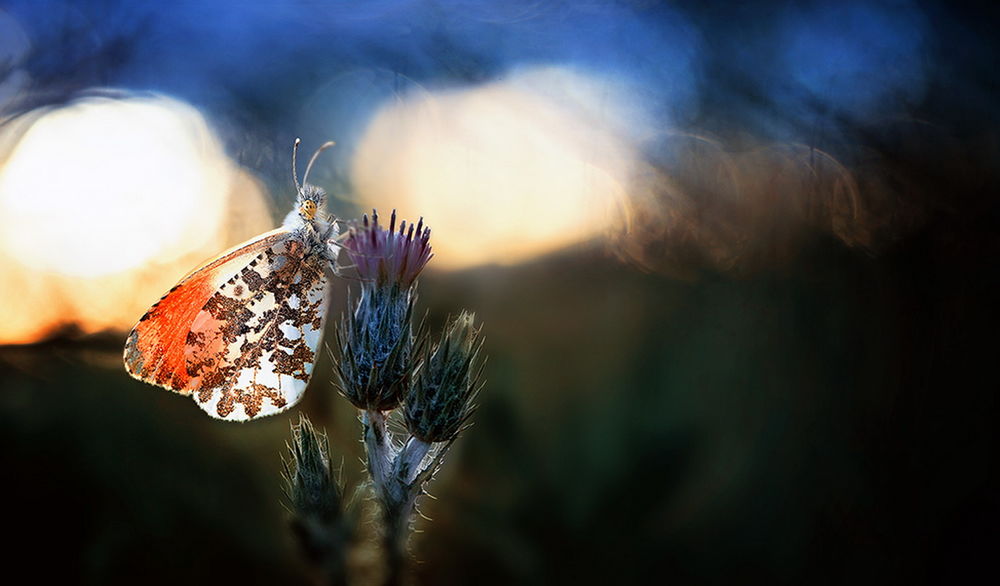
(104, 204)
(504, 171)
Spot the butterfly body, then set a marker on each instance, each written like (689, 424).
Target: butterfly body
(239, 334)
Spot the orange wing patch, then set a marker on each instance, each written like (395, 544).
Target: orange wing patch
(155, 349)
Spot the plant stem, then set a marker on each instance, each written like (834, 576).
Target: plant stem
(407, 465)
(379, 447)
(395, 526)
(392, 472)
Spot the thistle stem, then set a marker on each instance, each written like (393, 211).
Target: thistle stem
(379, 447)
(393, 473)
(408, 461)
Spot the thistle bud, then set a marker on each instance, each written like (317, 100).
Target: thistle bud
(440, 398)
(315, 500)
(376, 349)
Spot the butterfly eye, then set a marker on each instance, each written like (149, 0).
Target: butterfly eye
(308, 209)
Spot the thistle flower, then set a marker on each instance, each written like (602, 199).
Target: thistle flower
(387, 257)
(376, 340)
(440, 400)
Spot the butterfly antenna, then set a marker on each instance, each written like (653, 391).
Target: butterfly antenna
(295, 173)
(325, 146)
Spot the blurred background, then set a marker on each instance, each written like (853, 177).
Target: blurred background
(737, 266)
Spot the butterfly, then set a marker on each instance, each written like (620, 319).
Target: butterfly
(239, 333)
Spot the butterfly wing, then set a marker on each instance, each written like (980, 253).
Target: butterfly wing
(155, 349)
(253, 345)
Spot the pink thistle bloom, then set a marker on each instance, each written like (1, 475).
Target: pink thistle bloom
(387, 256)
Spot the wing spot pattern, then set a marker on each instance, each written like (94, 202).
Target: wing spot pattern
(246, 356)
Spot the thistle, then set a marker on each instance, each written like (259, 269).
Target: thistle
(387, 257)
(384, 364)
(377, 340)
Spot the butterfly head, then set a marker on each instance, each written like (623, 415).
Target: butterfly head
(309, 201)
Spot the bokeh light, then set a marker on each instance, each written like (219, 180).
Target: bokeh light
(103, 204)
(506, 170)
(128, 173)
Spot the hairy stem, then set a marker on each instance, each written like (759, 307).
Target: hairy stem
(407, 464)
(379, 447)
(395, 477)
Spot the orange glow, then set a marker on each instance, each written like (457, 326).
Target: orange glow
(104, 204)
(505, 171)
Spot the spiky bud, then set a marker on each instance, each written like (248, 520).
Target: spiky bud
(319, 518)
(440, 398)
(376, 349)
